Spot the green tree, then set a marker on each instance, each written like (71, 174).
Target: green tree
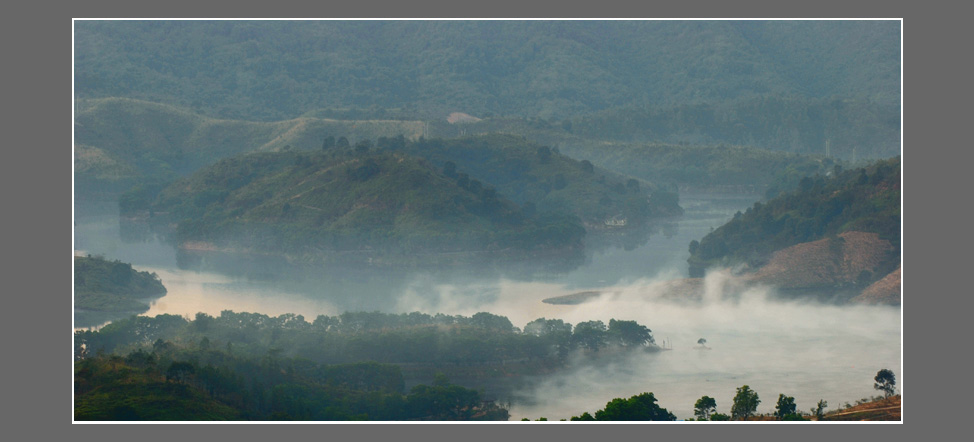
(363, 146)
(641, 407)
(745, 403)
(885, 382)
(584, 417)
(179, 371)
(590, 334)
(587, 166)
(704, 408)
(450, 169)
(328, 143)
(784, 407)
(629, 333)
(819, 409)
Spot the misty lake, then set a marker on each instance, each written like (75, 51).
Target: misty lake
(807, 350)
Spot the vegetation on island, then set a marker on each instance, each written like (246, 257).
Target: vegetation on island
(542, 179)
(381, 204)
(112, 286)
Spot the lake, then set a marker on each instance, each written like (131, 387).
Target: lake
(807, 350)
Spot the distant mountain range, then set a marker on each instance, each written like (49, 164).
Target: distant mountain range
(277, 70)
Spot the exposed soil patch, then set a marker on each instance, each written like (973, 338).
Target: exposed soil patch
(885, 291)
(824, 263)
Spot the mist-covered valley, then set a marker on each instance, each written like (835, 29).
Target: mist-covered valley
(538, 223)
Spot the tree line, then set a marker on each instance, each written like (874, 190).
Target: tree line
(410, 338)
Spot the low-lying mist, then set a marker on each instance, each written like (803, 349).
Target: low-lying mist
(807, 350)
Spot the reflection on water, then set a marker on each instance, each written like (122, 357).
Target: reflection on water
(213, 282)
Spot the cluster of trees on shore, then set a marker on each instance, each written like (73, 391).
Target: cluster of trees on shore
(345, 367)
(411, 338)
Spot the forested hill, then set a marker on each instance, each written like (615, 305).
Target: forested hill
(276, 70)
(310, 204)
(858, 200)
(542, 179)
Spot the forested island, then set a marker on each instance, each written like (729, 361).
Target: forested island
(398, 202)
(381, 208)
(113, 286)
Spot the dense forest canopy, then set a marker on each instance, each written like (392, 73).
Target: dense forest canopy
(781, 85)
(552, 69)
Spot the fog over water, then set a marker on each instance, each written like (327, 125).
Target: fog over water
(807, 350)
